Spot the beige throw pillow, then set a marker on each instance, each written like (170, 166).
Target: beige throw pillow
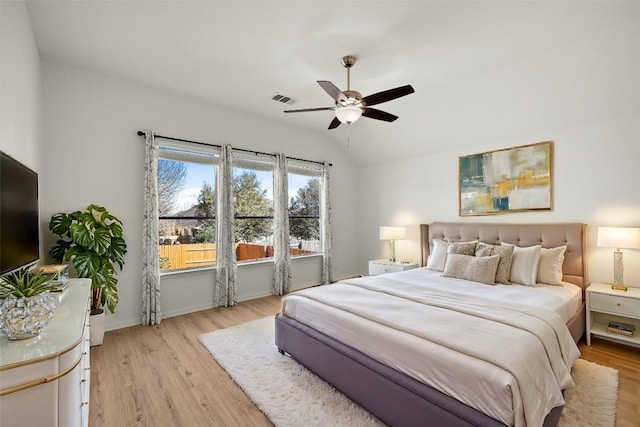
(477, 269)
(550, 266)
(463, 248)
(504, 265)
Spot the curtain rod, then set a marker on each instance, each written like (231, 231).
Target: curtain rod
(141, 133)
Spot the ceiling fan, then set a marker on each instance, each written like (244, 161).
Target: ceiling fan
(350, 104)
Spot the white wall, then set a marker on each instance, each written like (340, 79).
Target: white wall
(596, 138)
(93, 155)
(20, 89)
(20, 100)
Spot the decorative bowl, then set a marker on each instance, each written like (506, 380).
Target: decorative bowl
(23, 318)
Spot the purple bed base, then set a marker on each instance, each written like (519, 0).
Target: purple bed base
(393, 397)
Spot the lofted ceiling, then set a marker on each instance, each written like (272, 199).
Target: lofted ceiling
(464, 59)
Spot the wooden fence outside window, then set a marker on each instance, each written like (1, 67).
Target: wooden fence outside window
(173, 257)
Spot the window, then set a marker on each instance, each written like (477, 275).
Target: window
(186, 208)
(304, 210)
(253, 192)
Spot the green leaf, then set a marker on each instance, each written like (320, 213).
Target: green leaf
(101, 240)
(59, 224)
(116, 229)
(117, 250)
(86, 264)
(82, 235)
(58, 251)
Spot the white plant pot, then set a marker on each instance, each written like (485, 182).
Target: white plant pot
(96, 324)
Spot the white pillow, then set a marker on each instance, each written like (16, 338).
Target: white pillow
(439, 255)
(550, 266)
(524, 265)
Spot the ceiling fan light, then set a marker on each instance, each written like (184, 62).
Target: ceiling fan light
(348, 114)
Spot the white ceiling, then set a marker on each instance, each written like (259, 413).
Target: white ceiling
(464, 59)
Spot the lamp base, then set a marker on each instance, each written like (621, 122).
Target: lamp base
(392, 251)
(619, 288)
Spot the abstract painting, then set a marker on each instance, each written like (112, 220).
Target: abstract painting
(509, 180)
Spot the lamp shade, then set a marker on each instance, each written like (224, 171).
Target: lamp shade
(348, 114)
(393, 233)
(619, 237)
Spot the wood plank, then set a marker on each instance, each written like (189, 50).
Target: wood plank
(162, 375)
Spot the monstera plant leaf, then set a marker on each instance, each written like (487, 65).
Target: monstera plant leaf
(93, 241)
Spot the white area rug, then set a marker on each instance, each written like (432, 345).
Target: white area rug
(290, 395)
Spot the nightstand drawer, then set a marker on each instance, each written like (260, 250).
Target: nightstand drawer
(383, 266)
(376, 269)
(615, 304)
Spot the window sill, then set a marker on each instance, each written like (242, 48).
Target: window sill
(240, 264)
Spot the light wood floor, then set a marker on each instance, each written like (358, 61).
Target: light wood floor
(162, 375)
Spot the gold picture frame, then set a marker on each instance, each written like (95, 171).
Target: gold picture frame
(516, 179)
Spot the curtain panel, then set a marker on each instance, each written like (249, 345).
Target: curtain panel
(325, 225)
(226, 266)
(151, 312)
(282, 254)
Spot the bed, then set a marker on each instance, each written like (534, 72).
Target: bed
(377, 373)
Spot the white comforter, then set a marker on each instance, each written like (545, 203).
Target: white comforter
(510, 361)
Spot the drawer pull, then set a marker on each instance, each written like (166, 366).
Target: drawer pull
(87, 369)
(85, 403)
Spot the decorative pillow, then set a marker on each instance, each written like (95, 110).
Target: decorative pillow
(438, 256)
(550, 266)
(477, 269)
(463, 248)
(506, 257)
(524, 265)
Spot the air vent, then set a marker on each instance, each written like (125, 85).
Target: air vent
(284, 99)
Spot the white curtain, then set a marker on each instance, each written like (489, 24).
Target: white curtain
(151, 313)
(282, 254)
(325, 225)
(225, 287)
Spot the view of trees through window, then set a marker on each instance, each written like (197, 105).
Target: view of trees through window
(187, 212)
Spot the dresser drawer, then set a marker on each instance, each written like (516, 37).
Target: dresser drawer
(615, 304)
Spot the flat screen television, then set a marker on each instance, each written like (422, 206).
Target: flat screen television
(19, 218)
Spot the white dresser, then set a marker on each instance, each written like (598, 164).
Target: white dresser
(45, 381)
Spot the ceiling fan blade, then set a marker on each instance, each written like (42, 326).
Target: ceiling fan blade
(334, 123)
(388, 95)
(373, 113)
(310, 109)
(332, 90)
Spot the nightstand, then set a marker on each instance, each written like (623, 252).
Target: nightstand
(383, 266)
(604, 305)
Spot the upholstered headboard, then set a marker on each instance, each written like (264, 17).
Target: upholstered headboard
(548, 235)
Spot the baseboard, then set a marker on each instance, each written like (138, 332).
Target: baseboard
(195, 308)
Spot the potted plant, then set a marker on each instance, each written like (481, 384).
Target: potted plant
(92, 240)
(26, 305)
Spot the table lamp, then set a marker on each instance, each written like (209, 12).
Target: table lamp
(392, 234)
(619, 238)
